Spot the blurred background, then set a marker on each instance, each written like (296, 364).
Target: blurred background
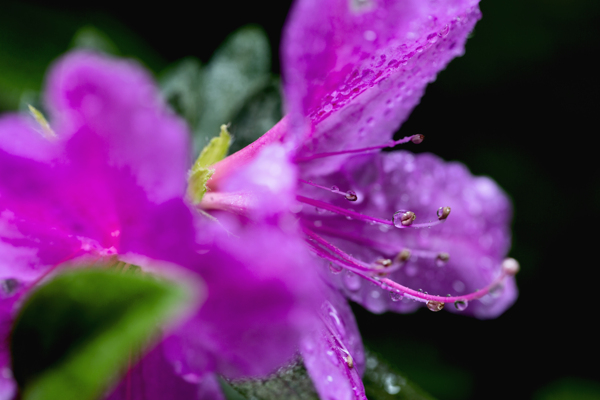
(520, 106)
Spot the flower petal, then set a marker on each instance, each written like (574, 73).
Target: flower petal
(118, 102)
(333, 353)
(261, 297)
(355, 69)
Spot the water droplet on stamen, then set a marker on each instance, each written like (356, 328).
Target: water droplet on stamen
(442, 259)
(443, 213)
(351, 196)
(335, 189)
(396, 296)
(435, 306)
(444, 31)
(403, 218)
(335, 268)
(352, 281)
(461, 305)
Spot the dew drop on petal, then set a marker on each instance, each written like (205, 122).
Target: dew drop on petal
(396, 296)
(9, 286)
(335, 268)
(496, 290)
(444, 31)
(352, 281)
(435, 306)
(461, 305)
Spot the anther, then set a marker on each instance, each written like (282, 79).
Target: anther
(416, 139)
(443, 213)
(442, 259)
(403, 218)
(435, 306)
(384, 262)
(349, 361)
(510, 266)
(403, 255)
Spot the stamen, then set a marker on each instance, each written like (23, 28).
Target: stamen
(510, 266)
(349, 195)
(414, 138)
(442, 259)
(403, 256)
(362, 217)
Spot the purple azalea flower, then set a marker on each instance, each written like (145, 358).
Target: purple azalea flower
(353, 71)
(108, 185)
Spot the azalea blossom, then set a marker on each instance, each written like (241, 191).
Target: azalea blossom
(104, 183)
(393, 230)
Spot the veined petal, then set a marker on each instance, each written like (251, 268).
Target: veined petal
(476, 235)
(355, 69)
(333, 352)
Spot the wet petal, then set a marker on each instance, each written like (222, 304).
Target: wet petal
(333, 353)
(355, 69)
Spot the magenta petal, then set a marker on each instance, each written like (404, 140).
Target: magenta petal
(118, 101)
(476, 235)
(333, 353)
(153, 378)
(357, 68)
(261, 298)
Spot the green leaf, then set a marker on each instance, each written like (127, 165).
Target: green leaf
(181, 86)
(382, 382)
(74, 334)
(290, 382)
(238, 69)
(214, 152)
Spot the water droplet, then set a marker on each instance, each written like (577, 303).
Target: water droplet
(335, 189)
(396, 296)
(335, 268)
(432, 38)
(442, 259)
(496, 290)
(443, 213)
(333, 357)
(370, 36)
(351, 196)
(403, 218)
(9, 286)
(461, 305)
(444, 31)
(352, 281)
(435, 306)
(328, 107)
(329, 378)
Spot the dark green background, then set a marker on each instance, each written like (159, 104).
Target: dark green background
(520, 106)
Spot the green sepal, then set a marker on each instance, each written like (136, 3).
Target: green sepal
(75, 334)
(214, 152)
(40, 119)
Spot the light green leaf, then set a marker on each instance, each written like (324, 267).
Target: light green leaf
(214, 152)
(74, 334)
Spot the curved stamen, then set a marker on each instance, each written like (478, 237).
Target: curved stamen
(414, 138)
